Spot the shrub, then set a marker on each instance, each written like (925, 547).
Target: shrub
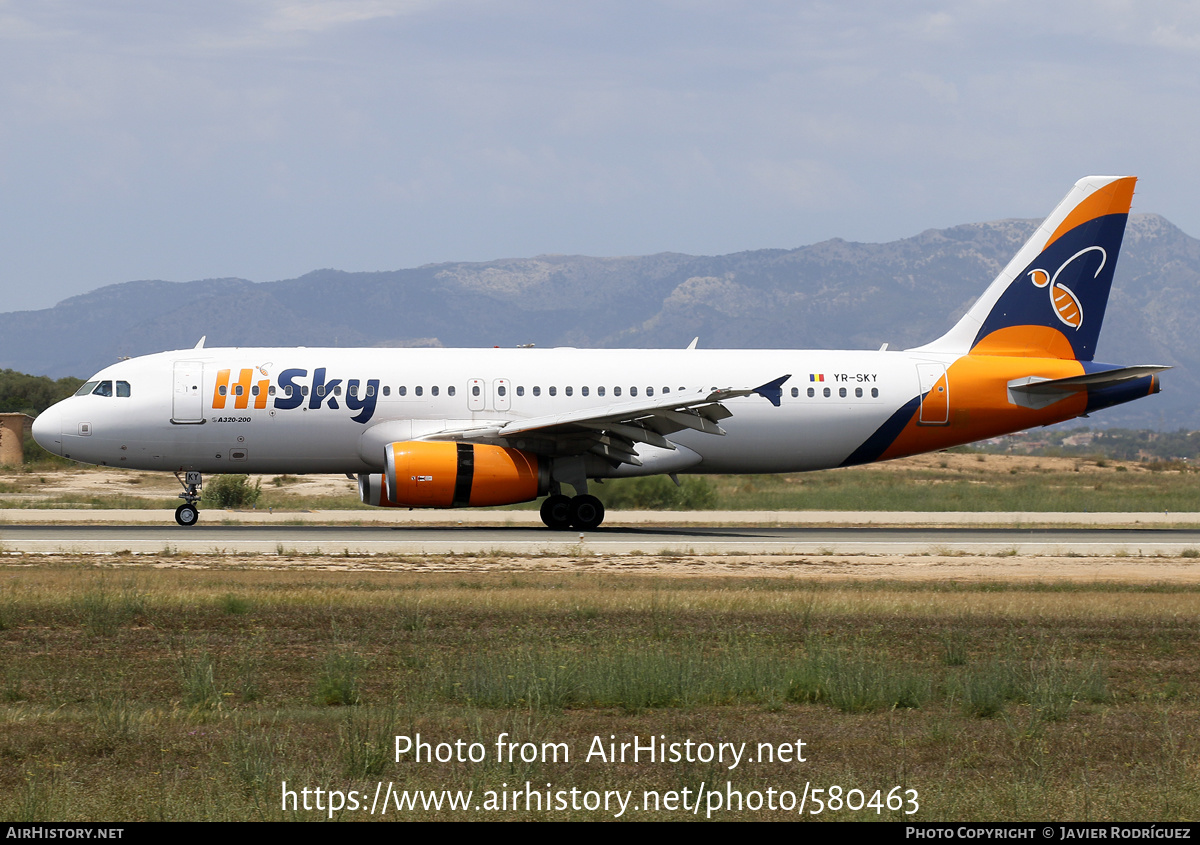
(659, 493)
(231, 491)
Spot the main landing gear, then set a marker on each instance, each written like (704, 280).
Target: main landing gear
(187, 514)
(561, 512)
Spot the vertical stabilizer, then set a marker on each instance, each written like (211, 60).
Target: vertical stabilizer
(1049, 301)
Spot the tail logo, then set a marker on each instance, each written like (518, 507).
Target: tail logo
(1063, 300)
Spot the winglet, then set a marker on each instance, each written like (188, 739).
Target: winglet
(772, 391)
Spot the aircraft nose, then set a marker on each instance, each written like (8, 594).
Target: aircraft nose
(47, 430)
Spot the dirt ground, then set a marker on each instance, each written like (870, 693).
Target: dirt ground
(86, 481)
(924, 568)
(152, 485)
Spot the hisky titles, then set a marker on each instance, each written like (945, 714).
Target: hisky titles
(253, 388)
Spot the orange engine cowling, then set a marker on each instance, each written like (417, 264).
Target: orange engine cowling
(454, 475)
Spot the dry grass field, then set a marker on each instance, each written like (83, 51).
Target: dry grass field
(196, 688)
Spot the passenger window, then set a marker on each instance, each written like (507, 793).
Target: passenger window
(649, 391)
(583, 391)
(419, 390)
(287, 391)
(568, 390)
(253, 389)
(123, 388)
(474, 390)
(449, 390)
(337, 391)
(434, 390)
(874, 392)
(520, 390)
(537, 391)
(666, 390)
(320, 390)
(616, 391)
(387, 390)
(353, 391)
(811, 393)
(401, 391)
(633, 391)
(238, 390)
(842, 392)
(304, 390)
(222, 390)
(271, 390)
(599, 391)
(553, 391)
(795, 392)
(501, 390)
(858, 392)
(371, 389)
(826, 392)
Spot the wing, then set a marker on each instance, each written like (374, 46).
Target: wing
(613, 431)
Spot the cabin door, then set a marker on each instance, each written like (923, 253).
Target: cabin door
(935, 394)
(188, 400)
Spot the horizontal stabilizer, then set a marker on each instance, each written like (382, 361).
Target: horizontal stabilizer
(1038, 392)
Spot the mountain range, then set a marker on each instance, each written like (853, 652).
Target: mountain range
(833, 294)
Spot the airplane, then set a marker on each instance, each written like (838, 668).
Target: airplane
(448, 428)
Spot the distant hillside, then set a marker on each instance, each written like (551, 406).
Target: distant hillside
(833, 294)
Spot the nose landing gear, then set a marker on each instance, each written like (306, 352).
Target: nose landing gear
(188, 514)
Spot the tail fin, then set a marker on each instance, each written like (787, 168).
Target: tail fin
(1049, 301)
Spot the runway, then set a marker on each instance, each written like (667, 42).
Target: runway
(645, 540)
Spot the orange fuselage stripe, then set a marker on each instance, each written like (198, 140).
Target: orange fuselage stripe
(979, 404)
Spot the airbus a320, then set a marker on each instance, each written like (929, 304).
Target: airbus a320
(449, 428)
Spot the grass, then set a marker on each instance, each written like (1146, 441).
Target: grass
(945, 482)
(193, 694)
(966, 487)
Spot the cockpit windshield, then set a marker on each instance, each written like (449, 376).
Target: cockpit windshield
(103, 388)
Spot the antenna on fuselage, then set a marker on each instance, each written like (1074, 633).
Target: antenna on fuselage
(692, 345)
(200, 343)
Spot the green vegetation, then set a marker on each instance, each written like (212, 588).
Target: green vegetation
(1121, 444)
(231, 491)
(658, 493)
(25, 394)
(191, 694)
(965, 486)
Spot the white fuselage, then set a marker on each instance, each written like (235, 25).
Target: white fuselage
(175, 417)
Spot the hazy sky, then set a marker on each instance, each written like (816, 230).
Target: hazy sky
(266, 138)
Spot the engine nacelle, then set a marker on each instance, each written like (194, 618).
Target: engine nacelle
(454, 475)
